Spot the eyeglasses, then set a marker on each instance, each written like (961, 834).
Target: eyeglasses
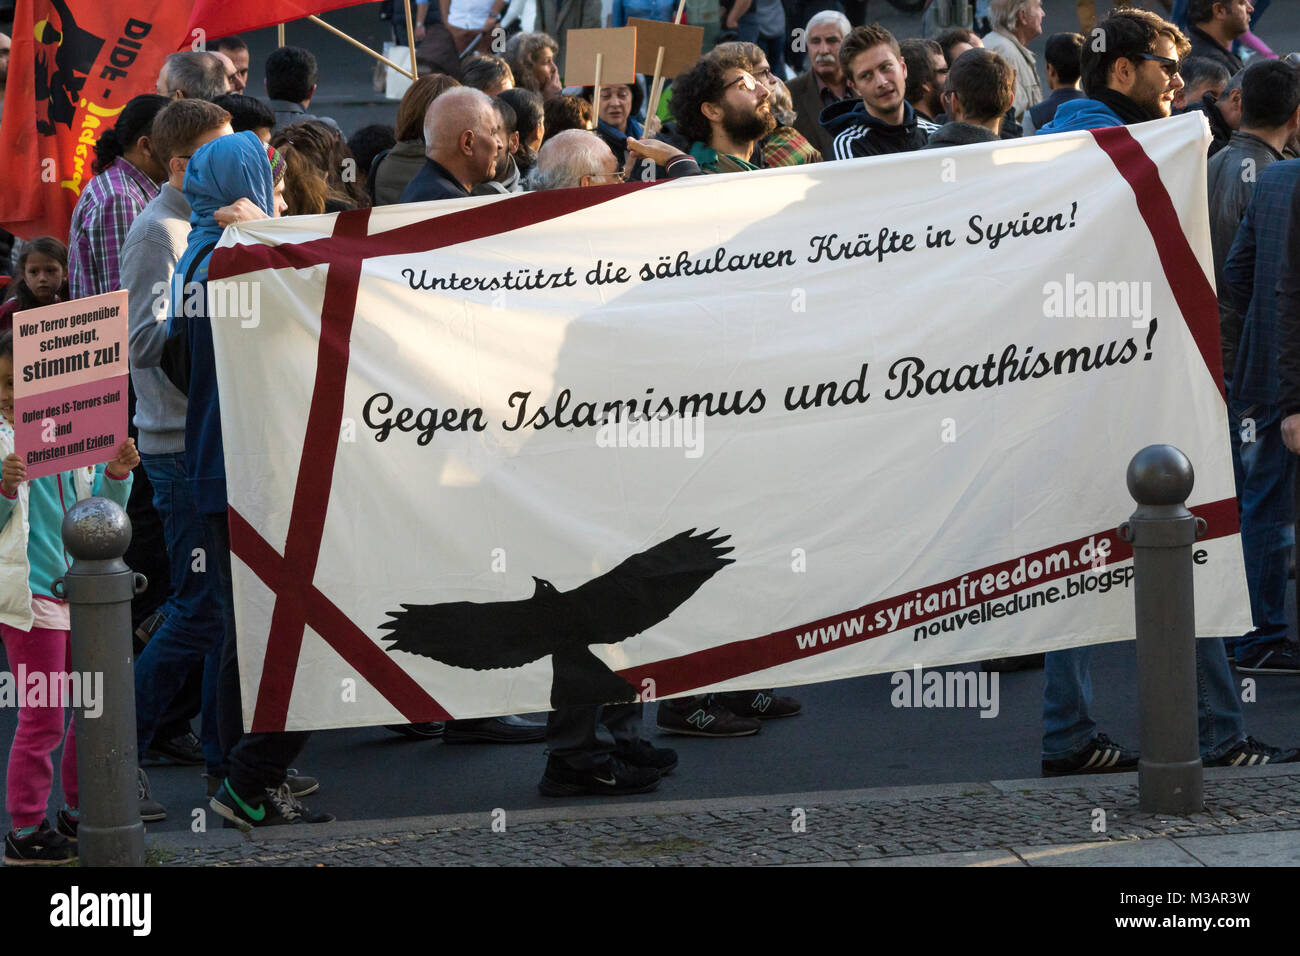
(619, 177)
(1169, 66)
(745, 80)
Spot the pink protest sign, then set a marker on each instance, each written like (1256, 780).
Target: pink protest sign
(70, 383)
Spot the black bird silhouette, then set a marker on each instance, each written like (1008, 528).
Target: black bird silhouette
(637, 594)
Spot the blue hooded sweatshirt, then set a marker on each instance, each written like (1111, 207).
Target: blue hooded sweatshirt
(1081, 114)
(220, 172)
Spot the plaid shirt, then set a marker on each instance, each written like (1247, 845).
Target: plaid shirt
(104, 213)
(1251, 274)
(786, 146)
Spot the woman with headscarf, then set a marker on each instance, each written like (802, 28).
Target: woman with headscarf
(219, 174)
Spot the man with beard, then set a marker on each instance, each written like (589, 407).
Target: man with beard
(927, 72)
(722, 112)
(824, 84)
(882, 121)
(1132, 78)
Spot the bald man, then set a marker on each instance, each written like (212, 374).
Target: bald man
(462, 142)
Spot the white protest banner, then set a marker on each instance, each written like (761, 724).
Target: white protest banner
(475, 449)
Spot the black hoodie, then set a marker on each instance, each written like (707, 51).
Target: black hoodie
(857, 133)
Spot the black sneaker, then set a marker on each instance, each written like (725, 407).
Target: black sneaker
(613, 778)
(67, 825)
(1101, 755)
(494, 730)
(1251, 753)
(763, 704)
(287, 803)
(184, 750)
(425, 731)
(703, 717)
(42, 847)
(1279, 658)
(248, 816)
(642, 753)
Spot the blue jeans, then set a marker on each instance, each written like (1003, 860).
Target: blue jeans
(192, 634)
(1067, 695)
(1265, 472)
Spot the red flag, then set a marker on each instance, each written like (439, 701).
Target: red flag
(223, 17)
(73, 67)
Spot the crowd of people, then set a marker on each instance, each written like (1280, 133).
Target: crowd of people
(202, 152)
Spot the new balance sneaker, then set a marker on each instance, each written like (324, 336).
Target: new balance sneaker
(184, 750)
(612, 778)
(299, 784)
(642, 753)
(41, 846)
(1278, 658)
(1251, 753)
(703, 716)
(763, 704)
(151, 811)
(66, 822)
(1101, 755)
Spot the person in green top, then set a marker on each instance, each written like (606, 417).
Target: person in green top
(722, 112)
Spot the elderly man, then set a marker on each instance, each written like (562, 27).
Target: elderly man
(824, 84)
(194, 75)
(463, 142)
(1015, 24)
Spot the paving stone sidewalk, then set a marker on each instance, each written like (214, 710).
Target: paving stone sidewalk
(1033, 822)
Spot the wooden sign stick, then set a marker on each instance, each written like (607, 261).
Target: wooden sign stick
(410, 39)
(279, 33)
(595, 96)
(681, 8)
(654, 86)
(361, 46)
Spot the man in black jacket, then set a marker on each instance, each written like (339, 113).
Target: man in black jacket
(463, 143)
(1215, 26)
(882, 121)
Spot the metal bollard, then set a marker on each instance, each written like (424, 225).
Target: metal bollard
(98, 588)
(1162, 531)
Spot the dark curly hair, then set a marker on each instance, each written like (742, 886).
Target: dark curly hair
(702, 83)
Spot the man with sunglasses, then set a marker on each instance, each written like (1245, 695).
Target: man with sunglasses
(1132, 78)
(722, 112)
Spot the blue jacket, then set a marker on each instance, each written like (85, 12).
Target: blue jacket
(1250, 275)
(1082, 114)
(220, 172)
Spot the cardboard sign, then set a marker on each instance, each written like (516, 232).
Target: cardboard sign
(682, 46)
(618, 64)
(70, 383)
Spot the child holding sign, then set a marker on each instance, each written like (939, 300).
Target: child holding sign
(34, 626)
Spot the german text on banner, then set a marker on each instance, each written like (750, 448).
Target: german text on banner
(744, 431)
(70, 383)
(73, 67)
